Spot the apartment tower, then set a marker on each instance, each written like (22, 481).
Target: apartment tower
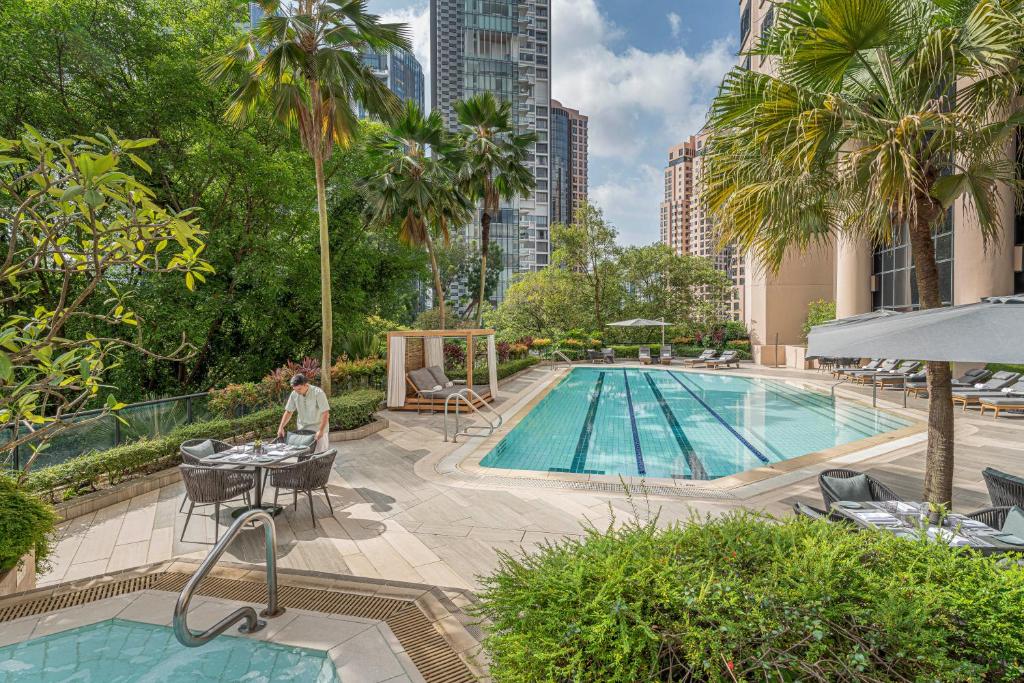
(502, 47)
(400, 71)
(861, 277)
(675, 207)
(568, 162)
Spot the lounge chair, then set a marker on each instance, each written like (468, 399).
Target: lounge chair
(863, 376)
(728, 357)
(898, 377)
(645, 355)
(704, 357)
(872, 365)
(433, 385)
(917, 384)
(972, 377)
(595, 356)
(608, 355)
(837, 485)
(666, 355)
(1003, 488)
(990, 389)
(997, 404)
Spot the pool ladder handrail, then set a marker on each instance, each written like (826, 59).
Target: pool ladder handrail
(253, 623)
(464, 396)
(565, 358)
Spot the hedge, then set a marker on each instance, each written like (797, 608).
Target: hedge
(506, 369)
(1005, 367)
(84, 472)
(744, 597)
(26, 524)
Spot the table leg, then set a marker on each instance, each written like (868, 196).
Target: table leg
(257, 500)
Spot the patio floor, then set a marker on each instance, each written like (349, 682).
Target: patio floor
(392, 521)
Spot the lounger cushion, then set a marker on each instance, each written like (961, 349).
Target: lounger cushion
(854, 489)
(442, 393)
(1014, 523)
(1013, 400)
(423, 379)
(200, 450)
(439, 377)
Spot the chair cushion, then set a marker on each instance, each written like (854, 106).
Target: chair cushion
(294, 439)
(855, 489)
(423, 379)
(200, 450)
(438, 374)
(1014, 523)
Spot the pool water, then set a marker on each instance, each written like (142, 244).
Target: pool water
(118, 651)
(685, 425)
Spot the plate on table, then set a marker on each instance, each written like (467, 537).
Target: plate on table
(260, 459)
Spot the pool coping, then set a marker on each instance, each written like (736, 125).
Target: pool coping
(441, 641)
(464, 462)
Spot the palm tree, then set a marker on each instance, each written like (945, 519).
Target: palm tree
(416, 185)
(495, 167)
(301, 63)
(883, 114)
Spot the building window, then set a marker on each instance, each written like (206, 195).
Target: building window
(744, 24)
(893, 276)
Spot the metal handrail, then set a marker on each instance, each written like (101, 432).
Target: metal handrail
(253, 623)
(463, 396)
(564, 357)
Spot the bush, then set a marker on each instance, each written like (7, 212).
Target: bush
(738, 344)
(367, 371)
(735, 329)
(26, 524)
(148, 455)
(480, 374)
(745, 598)
(235, 399)
(819, 312)
(1005, 367)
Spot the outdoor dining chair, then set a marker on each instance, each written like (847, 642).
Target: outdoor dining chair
(305, 476)
(837, 485)
(1004, 489)
(804, 510)
(194, 450)
(213, 485)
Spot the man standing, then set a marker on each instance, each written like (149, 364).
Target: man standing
(310, 404)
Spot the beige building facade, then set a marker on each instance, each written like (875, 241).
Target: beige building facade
(675, 206)
(860, 277)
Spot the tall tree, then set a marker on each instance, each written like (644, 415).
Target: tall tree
(495, 167)
(587, 246)
(416, 185)
(883, 114)
(301, 64)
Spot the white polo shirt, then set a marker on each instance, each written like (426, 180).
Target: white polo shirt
(308, 408)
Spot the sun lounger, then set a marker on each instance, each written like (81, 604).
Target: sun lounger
(666, 355)
(704, 357)
(645, 355)
(608, 355)
(897, 377)
(432, 384)
(1010, 402)
(728, 357)
(990, 389)
(863, 376)
(873, 365)
(972, 377)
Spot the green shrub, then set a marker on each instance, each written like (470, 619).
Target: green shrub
(506, 369)
(147, 455)
(738, 344)
(364, 371)
(747, 598)
(1005, 367)
(819, 312)
(26, 524)
(227, 402)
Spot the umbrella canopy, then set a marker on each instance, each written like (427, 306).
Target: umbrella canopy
(985, 332)
(643, 322)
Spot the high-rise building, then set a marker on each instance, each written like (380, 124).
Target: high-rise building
(568, 162)
(400, 71)
(675, 207)
(861, 277)
(502, 47)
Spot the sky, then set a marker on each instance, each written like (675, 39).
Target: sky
(644, 71)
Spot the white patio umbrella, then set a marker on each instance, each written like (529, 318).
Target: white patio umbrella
(986, 332)
(643, 322)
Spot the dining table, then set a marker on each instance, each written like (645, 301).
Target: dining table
(259, 457)
(910, 519)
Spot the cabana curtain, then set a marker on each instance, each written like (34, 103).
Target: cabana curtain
(492, 365)
(433, 351)
(396, 372)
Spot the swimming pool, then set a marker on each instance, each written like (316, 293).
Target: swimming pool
(119, 651)
(683, 425)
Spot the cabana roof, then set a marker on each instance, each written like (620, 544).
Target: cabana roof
(440, 333)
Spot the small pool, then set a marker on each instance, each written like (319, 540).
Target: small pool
(118, 651)
(684, 425)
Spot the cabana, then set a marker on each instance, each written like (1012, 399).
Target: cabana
(412, 350)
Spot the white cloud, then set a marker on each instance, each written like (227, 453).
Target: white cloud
(675, 22)
(629, 200)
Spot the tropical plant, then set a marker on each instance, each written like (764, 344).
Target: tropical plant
(416, 185)
(77, 226)
(882, 115)
(494, 168)
(301, 64)
(819, 312)
(359, 344)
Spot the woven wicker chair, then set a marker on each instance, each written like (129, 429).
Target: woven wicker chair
(1004, 489)
(995, 517)
(803, 510)
(213, 485)
(879, 491)
(189, 459)
(305, 476)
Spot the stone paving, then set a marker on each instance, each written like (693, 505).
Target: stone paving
(399, 515)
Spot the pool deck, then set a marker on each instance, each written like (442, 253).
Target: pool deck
(409, 506)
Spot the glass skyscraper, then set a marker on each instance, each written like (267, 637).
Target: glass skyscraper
(402, 73)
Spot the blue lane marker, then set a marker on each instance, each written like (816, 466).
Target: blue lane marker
(760, 456)
(697, 470)
(636, 434)
(579, 458)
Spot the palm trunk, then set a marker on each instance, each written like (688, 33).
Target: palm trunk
(485, 245)
(938, 477)
(326, 309)
(438, 287)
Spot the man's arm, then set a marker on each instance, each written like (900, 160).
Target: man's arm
(325, 417)
(285, 419)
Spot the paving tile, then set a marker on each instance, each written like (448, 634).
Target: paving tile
(366, 658)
